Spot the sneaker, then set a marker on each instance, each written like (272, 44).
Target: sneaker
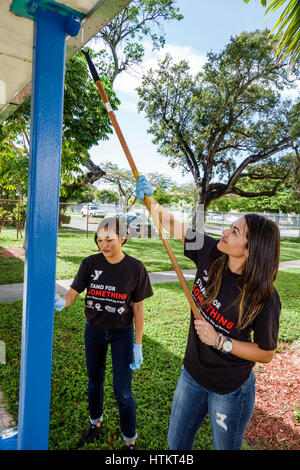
(89, 437)
(130, 447)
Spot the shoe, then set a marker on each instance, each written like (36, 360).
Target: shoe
(130, 447)
(89, 437)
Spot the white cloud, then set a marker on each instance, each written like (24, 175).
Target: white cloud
(195, 60)
(128, 82)
(292, 93)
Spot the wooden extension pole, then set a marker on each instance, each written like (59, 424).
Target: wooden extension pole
(147, 201)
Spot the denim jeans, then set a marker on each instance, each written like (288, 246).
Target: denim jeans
(96, 345)
(229, 414)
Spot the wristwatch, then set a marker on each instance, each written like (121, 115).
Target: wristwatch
(227, 345)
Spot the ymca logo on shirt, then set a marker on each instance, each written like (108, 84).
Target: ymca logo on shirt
(97, 274)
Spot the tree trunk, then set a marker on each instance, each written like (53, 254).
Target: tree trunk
(199, 214)
(24, 239)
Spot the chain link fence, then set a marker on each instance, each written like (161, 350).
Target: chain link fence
(12, 215)
(86, 216)
(289, 224)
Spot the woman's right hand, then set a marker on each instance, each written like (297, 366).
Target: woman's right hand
(59, 303)
(167, 220)
(143, 186)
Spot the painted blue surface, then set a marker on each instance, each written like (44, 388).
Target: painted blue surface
(72, 24)
(28, 8)
(41, 229)
(9, 439)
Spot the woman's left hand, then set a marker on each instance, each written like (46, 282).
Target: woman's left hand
(206, 332)
(138, 357)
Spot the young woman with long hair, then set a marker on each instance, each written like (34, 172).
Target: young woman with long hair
(116, 285)
(240, 308)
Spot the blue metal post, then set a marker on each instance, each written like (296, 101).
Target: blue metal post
(41, 227)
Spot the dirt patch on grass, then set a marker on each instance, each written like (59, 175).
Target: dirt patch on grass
(274, 424)
(15, 252)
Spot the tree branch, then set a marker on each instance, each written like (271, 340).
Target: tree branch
(13, 145)
(284, 144)
(269, 193)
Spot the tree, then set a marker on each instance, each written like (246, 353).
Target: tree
(14, 151)
(284, 200)
(85, 123)
(107, 196)
(226, 118)
(123, 179)
(287, 37)
(126, 184)
(123, 36)
(85, 119)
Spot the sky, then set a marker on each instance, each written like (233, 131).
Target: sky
(207, 26)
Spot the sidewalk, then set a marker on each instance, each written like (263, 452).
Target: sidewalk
(11, 292)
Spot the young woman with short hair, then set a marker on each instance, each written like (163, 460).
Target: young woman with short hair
(116, 286)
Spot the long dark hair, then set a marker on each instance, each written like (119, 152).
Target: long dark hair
(116, 224)
(260, 270)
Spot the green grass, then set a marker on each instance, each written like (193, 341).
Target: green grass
(72, 247)
(165, 334)
(287, 285)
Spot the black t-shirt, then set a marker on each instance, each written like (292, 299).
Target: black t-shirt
(212, 369)
(111, 289)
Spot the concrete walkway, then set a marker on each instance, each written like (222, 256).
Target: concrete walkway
(11, 292)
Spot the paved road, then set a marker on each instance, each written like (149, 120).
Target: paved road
(81, 224)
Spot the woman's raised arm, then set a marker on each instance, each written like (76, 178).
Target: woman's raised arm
(169, 223)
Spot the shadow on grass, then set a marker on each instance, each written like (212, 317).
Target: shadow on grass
(166, 326)
(11, 270)
(153, 384)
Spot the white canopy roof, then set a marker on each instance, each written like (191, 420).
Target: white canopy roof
(16, 39)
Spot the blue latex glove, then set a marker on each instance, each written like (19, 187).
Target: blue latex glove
(143, 186)
(59, 303)
(138, 356)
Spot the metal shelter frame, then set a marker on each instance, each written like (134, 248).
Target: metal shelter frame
(52, 22)
(50, 30)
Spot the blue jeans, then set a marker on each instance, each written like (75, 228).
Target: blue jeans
(229, 414)
(96, 345)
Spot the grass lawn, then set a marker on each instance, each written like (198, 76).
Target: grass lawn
(72, 247)
(165, 333)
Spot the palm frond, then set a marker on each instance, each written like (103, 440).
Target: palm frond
(286, 31)
(263, 2)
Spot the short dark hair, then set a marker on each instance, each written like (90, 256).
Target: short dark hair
(115, 224)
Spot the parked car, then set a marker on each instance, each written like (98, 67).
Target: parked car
(136, 224)
(94, 211)
(134, 221)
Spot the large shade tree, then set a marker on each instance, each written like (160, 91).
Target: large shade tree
(228, 117)
(85, 123)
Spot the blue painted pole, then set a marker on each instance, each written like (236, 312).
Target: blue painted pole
(50, 30)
